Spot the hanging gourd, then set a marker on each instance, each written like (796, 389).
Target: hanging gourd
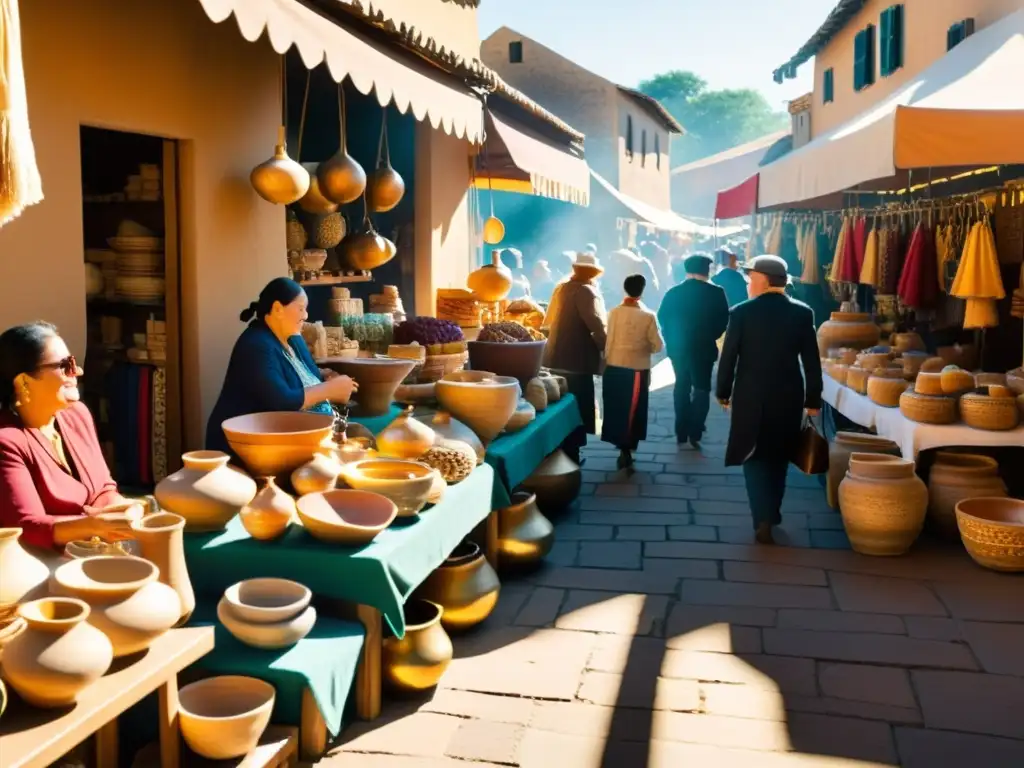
(280, 180)
(342, 180)
(385, 187)
(367, 249)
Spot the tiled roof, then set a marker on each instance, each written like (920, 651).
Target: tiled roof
(837, 19)
(654, 108)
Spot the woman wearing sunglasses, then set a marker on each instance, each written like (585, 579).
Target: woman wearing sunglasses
(54, 481)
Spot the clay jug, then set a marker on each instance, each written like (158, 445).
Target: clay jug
(465, 586)
(525, 536)
(847, 329)
(269, 514)
(839, 451)
(955, 477)
(448, 429)
(491, 282)
(317, 475)
(206, 491)
(883, 504)
(22, 576)
(57, 655)
(557, 482)
(417, 661)
(405, 438)
(127, 603)
(161, 539)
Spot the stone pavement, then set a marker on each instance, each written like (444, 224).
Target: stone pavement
(659, 635)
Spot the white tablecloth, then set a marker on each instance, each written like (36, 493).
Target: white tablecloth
(911, 437)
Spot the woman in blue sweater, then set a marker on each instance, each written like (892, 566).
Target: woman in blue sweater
(271, 368)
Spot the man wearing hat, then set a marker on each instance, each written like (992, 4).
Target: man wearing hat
(729, 278)
(693, 315)
(769, 376)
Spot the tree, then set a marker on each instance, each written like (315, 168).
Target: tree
(714, 120)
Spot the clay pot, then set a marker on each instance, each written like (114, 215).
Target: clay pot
(417, 661)
(483, 401)
(552, 388)
(267, 601)
(465, 586)
(536, 394)
(278, 442)
(206, 491)
(317, 475)
(268, 516)
(839, 452)
(224, 717)
(266, 635)
(448, 430)
(127, 602)
(57, 655)
(22, 576)
(347, 517)
(405, 438)
(907, 342)
(883, 504)
(992, 530)
(955, 477)
(161, 540)
(524, 414)
(520, 360)
(10, 629)
(912, 362)
(556, 482)
(525, 536)
(491, 282)
(847, 329)
(406, 483)
(378, 378)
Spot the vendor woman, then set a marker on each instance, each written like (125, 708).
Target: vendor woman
(271, 368)
(54, 482)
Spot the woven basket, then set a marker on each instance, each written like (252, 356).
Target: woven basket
(436, 366)
(995, 414)
(857, 379)
(838, 371)
(928, 409)
(929, 384)
(886, 392)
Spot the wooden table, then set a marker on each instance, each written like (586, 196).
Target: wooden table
(278, 746)
(32, 738)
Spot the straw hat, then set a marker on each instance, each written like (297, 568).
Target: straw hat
(587, 262)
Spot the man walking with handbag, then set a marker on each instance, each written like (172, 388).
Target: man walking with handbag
(760, 379)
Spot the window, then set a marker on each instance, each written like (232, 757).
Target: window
(864, 58)
(892, 40)
(515, 52)
(828, 87)
(643, 148)
(629, 137)
(958, 33)
(657, 150)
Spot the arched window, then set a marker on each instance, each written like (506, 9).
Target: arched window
(657, 150)
(629, 137)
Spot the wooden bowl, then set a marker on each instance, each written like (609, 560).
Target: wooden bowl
(278, 442)
(348, 517)
(994, 414)
(224, 717)
(992, 530)
(266, 601)
(406, 483)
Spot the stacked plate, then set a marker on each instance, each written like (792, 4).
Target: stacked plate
(136, 244)
(140, 264)
(140, 288)
(267, 613)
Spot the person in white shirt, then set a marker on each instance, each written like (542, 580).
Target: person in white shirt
(633, 337)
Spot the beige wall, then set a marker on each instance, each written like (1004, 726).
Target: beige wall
(643, 177)
(925, 25)
(160, 68)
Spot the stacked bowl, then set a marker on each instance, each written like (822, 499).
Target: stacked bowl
(267, 613)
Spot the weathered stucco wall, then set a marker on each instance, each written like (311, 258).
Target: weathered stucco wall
(644, 178)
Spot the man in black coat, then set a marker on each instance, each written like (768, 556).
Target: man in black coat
(693, 316)
(760, 378)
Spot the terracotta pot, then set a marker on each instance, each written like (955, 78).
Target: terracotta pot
(223, 717)
(491, 282)
(278, 442)
(206, 491)
(268, 516)
(267, 635)
(955, 477)
(317, 475)
(465, 586)
(347, 517)
(417, 661)
(839, 452)
(912, 362)
(378, 378)
(520, 360)
(22, 576)
(992, 530)
(10, 629)
(127, 602)
(847, 329)
(525, 536)
(406, 483)
(161, 540)
(57, 655)
(405, 438)
(446, 429)
(556, 482)
(483, 401)
(883, 504)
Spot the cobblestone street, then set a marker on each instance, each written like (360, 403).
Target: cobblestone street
(660, 635)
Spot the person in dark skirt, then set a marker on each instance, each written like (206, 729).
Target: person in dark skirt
(769, 339)
(633, 337)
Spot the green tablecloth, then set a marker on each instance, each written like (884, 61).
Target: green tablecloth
(382, 574)
(515, 457)
(376, 424)
(325, 661)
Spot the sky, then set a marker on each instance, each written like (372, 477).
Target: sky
(730, 43)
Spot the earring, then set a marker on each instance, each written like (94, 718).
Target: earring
(24, 399)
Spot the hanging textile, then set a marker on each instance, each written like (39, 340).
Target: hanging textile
(917, 287)
(836, 275)
(809, 274)
(889, 260)
(860, 238)
(943, 253)
(869, 269)
(978, 278)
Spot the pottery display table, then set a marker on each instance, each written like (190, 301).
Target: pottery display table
(33, 737)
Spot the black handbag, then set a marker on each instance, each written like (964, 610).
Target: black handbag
(810, 455)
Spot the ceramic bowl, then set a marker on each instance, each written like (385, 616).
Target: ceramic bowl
(224, 717)
(406, 483)
(416, 394)
(519, 360)
(280, 634)
(10, 629)
(992, 529)
(481, 400)
(346, 517)
(266, 601)
(277, 442)
(378, 378)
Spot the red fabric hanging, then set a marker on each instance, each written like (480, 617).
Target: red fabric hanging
(918, 286)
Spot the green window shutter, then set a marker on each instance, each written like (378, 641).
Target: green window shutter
(829, 86)
(885, 28)
(891, 40)
(869, 55)
(958, 33)
(859, 55)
